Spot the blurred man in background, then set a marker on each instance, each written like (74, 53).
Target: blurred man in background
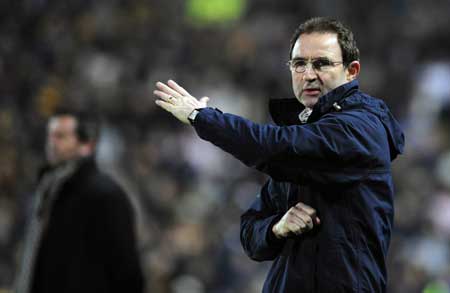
(329, 160)
(81, 236)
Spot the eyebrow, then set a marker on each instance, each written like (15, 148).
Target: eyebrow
(312, 59)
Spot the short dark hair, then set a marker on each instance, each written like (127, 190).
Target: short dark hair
(347, 42)
(88, 125)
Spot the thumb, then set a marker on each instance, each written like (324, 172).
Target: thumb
(204, 100)
(317, 220)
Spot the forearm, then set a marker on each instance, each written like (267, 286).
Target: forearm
(233, 134)
(322, 152)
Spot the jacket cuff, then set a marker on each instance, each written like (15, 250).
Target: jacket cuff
(202, 115)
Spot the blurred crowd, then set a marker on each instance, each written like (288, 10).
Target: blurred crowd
(105, 56)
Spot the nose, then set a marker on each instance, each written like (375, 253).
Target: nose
(310, 73)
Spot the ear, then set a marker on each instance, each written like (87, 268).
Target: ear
(353, 70)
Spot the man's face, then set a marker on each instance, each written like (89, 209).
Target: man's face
(313, 83)
(62, 141)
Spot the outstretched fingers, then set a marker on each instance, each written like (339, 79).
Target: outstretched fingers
(176, 100)
(162, 87)
(175, 86)
(163, 96)
(165, 105)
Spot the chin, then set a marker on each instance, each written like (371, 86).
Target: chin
(310, 101)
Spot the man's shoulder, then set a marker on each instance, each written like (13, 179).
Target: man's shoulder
(96, 184)
(105, 192)
(358, 107)
(104, 183)
(363, 102)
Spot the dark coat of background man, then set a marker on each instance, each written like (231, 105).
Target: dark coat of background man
(81, 236)
(326, 214)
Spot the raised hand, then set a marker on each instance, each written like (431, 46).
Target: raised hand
(176, 100)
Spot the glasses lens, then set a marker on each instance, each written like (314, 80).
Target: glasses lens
(321, 64)
(299, 65)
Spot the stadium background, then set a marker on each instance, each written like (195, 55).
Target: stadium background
(105, 56)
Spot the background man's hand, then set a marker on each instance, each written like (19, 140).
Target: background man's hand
(297, 220)
(176, 100)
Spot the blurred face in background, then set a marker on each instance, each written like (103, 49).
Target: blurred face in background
(317, 67)
(62, 141)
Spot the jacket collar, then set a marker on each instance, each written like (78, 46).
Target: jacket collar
(286, 111)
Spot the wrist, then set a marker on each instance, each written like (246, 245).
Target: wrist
(191, 117)
(276, 232)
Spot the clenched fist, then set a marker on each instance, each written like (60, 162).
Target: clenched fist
(297, 220)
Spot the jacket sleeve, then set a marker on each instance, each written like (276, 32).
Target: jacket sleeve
(114, 239)
(257, 238)
(338, 148)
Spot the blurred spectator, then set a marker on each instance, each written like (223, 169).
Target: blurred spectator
(81, 233)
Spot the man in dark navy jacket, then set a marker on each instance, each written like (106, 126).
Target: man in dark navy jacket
(325, 216)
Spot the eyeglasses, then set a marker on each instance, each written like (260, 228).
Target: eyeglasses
(319, 64)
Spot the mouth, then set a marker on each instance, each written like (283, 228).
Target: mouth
(311, 91)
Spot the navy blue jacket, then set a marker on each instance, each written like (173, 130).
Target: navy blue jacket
(339, 163)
